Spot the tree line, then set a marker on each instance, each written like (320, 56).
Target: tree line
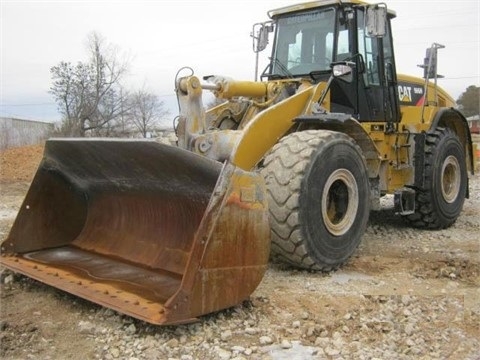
(92, 100)
(469, 101)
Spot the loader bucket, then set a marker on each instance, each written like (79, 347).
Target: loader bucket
(146, 229)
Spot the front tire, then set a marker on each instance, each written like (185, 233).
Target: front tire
(439, 203)
(318, 194)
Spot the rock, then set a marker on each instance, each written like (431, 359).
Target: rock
(406, 300)
(248, 351)
(332, 351)
(265, 340)
(226, 335)
(131, 329)
(8, 279)
(285, 344)
(108, 313)
(86, 327)
(409, 329)
(410, 342)
(115, 352)
(172, 343)
(224, 354)
(153, 354)
(251, 331)
(238, 349)
(3, 325)
(322, 341)
(310, 331)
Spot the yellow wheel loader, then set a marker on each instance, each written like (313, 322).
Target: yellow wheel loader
(294, 162)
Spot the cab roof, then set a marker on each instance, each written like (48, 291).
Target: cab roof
(319, 3)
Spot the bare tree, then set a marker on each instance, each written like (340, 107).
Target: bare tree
(89, 94)
(122, 127)
(146, 111)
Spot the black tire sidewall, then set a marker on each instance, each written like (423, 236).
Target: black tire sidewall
(322, 246)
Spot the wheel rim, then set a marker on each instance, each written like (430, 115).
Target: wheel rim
(450, 181)
(339, 202)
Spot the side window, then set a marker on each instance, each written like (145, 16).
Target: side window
(368, 48)
(388, 47)
(343, 48)
(343, 39)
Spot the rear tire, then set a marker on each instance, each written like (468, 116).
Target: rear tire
(318, 194)
(440, 202)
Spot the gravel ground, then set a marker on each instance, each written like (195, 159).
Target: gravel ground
(406, 294)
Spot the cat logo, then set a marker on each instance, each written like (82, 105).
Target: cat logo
(405, 93)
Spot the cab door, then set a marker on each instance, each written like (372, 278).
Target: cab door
(379, 80)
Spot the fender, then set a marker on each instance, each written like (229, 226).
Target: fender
(346, 124)
(454, 119)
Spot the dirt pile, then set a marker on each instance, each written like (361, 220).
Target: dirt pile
(20, 163)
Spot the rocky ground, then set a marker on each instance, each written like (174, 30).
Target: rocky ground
(405, 294)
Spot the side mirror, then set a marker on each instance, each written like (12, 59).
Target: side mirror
(376, 20)
(260, 35)
(343, 72)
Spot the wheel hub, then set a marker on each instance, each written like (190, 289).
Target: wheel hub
(450, 179)
(340, 202)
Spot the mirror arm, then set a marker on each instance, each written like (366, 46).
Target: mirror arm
(325, 91)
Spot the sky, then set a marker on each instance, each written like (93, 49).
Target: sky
(210, 36)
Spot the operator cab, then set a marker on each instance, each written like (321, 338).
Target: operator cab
(308, 41)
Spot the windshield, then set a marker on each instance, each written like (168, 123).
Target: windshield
(304, 43)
